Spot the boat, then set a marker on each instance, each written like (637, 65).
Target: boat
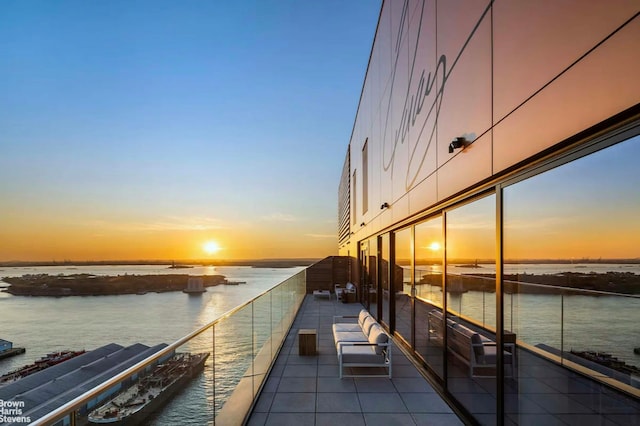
(225, 282)
(49, 360)
(608, 360)
(137, 402)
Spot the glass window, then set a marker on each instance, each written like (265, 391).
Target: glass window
(402, 283)
(429, 251)
(353, 207)
(369, 259)
(471, 305)
(385, 250)
(365, 178)
(572, 278)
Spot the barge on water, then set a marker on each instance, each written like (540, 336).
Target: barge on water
(150, 392)
(47, 361)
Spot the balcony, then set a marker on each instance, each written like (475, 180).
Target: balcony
(254, 375)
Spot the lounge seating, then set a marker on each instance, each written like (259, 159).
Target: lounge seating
(473, 349)
(342, 292)
(361, 344)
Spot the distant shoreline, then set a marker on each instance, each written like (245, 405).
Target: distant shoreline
(255, 263)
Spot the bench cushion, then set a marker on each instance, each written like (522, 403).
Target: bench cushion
(368, 323)
(490, 355)
(362, 316)
(346, 326)
(348, 336)
(378, 336)
(360, 354)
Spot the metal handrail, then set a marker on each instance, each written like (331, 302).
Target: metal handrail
(77, 402)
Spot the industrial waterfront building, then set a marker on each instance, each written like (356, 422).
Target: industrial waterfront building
(491, 177)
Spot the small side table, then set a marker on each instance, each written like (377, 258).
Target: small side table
(307, 341)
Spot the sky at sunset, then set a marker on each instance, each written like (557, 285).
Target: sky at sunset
(147, 129)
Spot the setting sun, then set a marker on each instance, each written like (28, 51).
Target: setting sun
(435, 246)
(211, 247)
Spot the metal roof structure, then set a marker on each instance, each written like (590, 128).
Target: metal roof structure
(48, 389)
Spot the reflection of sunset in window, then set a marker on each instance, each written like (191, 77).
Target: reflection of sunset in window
(583, 210)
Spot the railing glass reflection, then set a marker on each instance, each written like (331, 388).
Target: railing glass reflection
(238, 347)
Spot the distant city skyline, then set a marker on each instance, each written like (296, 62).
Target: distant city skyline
(173, 130)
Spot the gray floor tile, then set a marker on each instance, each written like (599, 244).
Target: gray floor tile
(333, 419)
(536, 420)
(412, 384)
(559, 404)
(405, 371)
(388, 419)
(521, 404)
(425, 403)
(328, 359)
(374, 384)
(257, 419)
(264, 402)
(297, 384)
(334, 384)
(328, 370)
(294, 402)
(586, 420)
(477, 403)
(381, 403)
(337, 403)
(624, 419)
(432, 419)
(293, 370)
(290, 419)
(272, 384)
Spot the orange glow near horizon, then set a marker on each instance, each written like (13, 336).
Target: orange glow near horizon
(211, 247)
(55, 241)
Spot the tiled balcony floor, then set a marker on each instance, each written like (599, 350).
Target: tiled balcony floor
(307, 390)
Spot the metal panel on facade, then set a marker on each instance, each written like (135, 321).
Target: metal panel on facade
(536, 40)
(601, 85)
(446, 69)
(423, 98)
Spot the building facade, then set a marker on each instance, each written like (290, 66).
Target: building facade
(490, 202)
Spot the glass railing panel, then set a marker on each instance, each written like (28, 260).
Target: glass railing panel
(233, 353)
(261, 315)
(278, 326)
(263, 352)
(600, 334)
(228, 358)
(429, 284)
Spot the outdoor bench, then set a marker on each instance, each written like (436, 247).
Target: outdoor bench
(478, 352)
(361, 344)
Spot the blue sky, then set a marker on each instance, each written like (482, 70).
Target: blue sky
(128, 122)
